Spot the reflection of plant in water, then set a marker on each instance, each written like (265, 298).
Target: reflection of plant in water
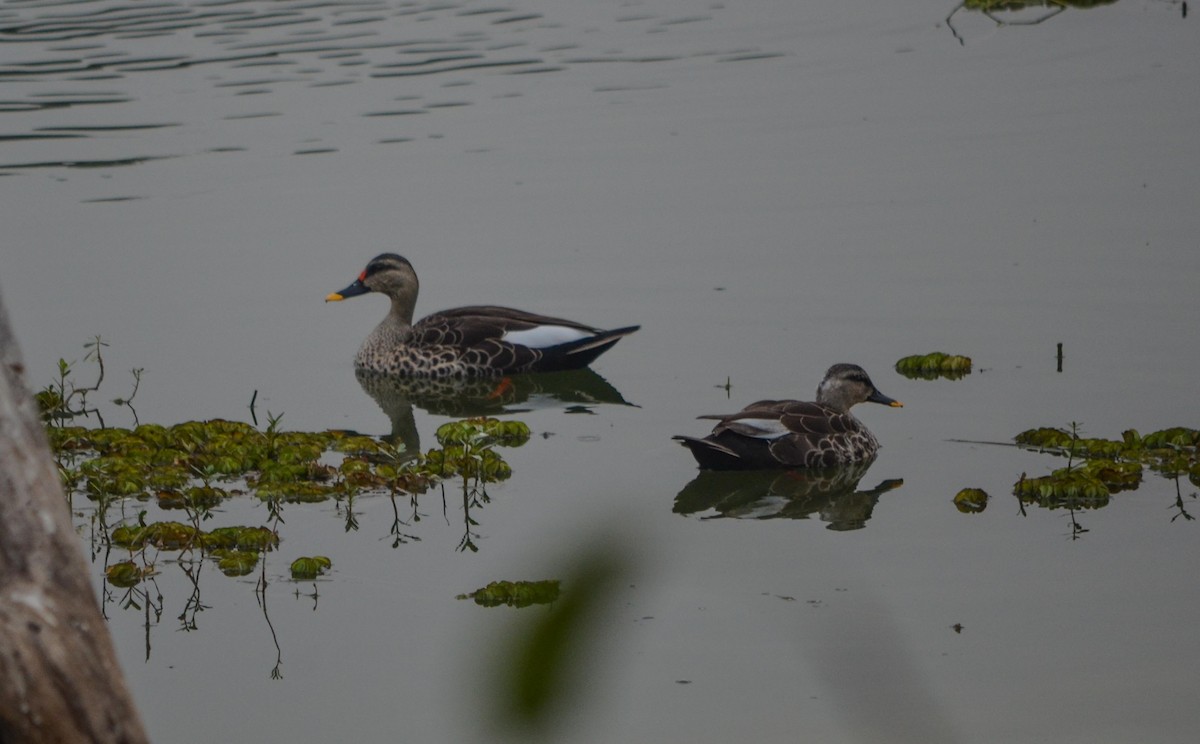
(1018, 12)
(1106, 467)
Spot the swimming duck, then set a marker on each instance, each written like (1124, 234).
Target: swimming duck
(795, 434)
(476, 341)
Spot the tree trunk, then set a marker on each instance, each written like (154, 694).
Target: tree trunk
(59, 676)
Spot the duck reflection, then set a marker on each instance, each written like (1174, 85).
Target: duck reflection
(577, 391)
(829, 493)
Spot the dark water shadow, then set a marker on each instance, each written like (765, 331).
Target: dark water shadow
(830, 494)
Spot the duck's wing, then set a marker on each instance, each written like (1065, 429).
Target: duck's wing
(468, 326)
(785, 433)
(816, 420)
(821, 437)
(516, 340)
(762, 419)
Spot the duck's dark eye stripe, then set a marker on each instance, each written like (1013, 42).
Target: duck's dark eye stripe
(381, 263)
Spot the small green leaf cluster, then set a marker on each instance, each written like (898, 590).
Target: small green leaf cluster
(126, 574)
(971, 500)
(235, 562)
(1063, 489)
(483, 432)
(306, 568)
(515, 593)
(467, 449)
(933, 366)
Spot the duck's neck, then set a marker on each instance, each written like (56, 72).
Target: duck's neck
(834, 397)
(391, 331)
(401, 312)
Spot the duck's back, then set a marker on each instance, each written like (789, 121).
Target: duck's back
(791, 433)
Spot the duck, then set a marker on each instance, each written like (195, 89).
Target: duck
(465, 342)
(775, 434)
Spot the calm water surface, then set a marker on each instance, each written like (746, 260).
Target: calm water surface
(768, 188)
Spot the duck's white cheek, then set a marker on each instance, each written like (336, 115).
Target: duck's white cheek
(543, 337)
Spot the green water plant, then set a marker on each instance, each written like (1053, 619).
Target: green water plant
(1098, 468)
(126, 574)
(971, 500)
(153, 492)
(306, 568)
(934, 366)
(468, 452)
(514, 593)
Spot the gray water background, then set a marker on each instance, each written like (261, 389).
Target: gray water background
(767, 188)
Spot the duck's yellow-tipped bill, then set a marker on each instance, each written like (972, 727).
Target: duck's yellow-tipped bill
(334, 297)
(878, 397)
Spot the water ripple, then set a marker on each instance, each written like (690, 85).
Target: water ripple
(81, 69)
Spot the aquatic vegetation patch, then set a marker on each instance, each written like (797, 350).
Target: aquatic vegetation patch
(1073, 489)
(126, 574)
(934, 366)
(1098, 468)
(514, 593)
(971, 500)
(194, 467)
(235, 562)
(483, 431)
(306, 568)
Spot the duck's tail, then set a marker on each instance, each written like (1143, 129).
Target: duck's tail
(581, 353)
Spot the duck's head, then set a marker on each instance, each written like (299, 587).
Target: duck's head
(847, 385)
(389, 274)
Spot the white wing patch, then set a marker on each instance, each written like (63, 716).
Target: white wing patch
(759, 428)
(543, 337)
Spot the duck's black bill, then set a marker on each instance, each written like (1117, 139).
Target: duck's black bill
(354, 290)
(878, 397)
